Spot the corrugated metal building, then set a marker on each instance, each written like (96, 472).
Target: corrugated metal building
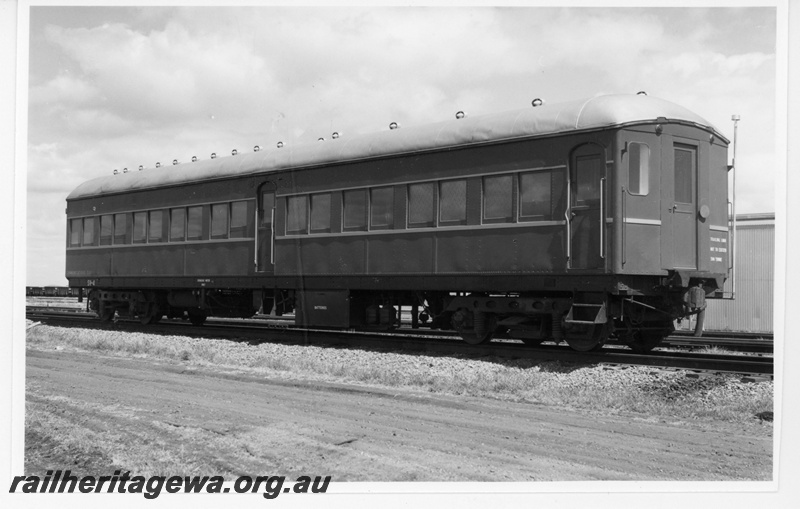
(753, 305)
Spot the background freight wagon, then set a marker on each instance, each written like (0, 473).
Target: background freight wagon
(752, 308)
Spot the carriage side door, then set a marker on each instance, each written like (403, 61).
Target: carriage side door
(265, 237)
(586, 219)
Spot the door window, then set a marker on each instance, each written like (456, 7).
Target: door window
(684, 176)
(587, 179)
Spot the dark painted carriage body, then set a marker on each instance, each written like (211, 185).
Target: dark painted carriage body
(593, 203)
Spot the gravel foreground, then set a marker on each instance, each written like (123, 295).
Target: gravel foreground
(645, 392)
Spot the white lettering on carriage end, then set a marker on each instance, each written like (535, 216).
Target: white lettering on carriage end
(321, 307)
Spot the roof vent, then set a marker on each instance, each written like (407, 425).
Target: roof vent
(141, 167)
(124, 170)
(335, 136)
(320, 139)
(537, 102)
(393, 126)
(460, 115)
(116, 171)
(641, 92)
(194, 159)
(213, 155)
(234, 152)
(158, 165)
(256, 148)
(174, 162)
(280, 144)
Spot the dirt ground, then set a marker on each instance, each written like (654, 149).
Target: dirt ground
(93, 414)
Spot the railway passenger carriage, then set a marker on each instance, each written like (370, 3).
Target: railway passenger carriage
(577, 221)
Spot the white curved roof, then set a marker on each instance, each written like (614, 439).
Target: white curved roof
(586, 114)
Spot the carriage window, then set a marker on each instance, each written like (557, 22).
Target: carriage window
(155, 226)
(381, 207)
(267, 204)
(238, 219)
(219, 221)
(497, 198)
(139, 227)
(321, 213)
(638, 168)
(420, 204)
(587, 177)
(106, 230)
(684, 179)
(194, 223)
(453, 201)
(88, 231)
(297, 214)
(177, 224)
(75, 232)
(534, 195)
(355, 210)
(120, 228)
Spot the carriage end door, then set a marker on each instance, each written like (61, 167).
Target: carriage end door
(680, 213)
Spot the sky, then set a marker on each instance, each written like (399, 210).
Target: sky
(118, 87)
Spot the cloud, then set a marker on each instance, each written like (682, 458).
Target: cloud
(172, 83)
(63, 89)
(167, 74)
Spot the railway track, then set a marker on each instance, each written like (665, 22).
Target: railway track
(408, 340)
(680, 340)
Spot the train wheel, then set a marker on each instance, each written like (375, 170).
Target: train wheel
(106, 313)
(151, 314)
(474, 339)
(643, 340)
(474, 328)
(197, 316)
(586, 338)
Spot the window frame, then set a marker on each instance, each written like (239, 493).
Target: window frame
(75, 234)
(106, 240)
(521, 189)
(321, 209)
(364, 216)
(90, 221)
(442, 201)
(431, 210)
(643, 174)
(238, 231)
(389, 210)
(144, 216)
(182, 222)
(189, 217)
(302, 206)
(155, 235)
(510, 213)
